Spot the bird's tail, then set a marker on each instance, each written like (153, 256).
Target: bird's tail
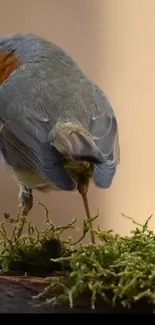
(74, 141)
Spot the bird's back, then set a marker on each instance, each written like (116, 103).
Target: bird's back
(46, 89)
(53, 73)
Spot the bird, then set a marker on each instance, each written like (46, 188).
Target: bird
(58, 129)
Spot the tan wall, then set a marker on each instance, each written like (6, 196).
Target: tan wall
(113, 41)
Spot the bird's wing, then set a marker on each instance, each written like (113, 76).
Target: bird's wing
(25, 126)
(104, 130)
(25, 144)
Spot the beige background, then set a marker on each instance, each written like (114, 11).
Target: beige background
(114, 43)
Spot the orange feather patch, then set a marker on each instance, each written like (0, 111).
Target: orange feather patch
(8, 63)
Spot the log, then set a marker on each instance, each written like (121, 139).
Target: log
(16, 294)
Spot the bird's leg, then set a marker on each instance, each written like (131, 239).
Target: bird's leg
(26, 203)
(25, 199)
(83, 189)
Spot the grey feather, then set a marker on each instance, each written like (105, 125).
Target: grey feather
(22, 147)
(48, 88)
(32, 48)
(105, 132)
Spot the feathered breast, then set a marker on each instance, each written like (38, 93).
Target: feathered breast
(8, 63)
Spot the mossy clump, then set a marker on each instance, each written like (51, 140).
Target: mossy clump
(33, 251)
(117, 269)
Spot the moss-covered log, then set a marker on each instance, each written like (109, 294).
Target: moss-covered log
(16, 294)
(117, 275)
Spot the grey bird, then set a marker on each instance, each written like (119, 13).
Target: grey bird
(58, 130)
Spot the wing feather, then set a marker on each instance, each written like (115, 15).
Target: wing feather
(25, 144)
(104, 129)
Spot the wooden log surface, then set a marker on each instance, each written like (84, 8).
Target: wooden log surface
(16, 294)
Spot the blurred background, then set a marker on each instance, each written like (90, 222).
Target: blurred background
(113, 41)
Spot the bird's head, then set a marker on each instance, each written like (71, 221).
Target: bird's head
(74, 142)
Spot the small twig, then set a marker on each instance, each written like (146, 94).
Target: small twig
(20, 227)
(48, 221)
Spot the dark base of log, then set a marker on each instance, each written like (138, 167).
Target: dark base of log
(16, 297)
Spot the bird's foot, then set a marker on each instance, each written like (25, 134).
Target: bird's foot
(25, 205)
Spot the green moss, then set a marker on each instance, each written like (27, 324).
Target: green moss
(118, 269)
(31, 252)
